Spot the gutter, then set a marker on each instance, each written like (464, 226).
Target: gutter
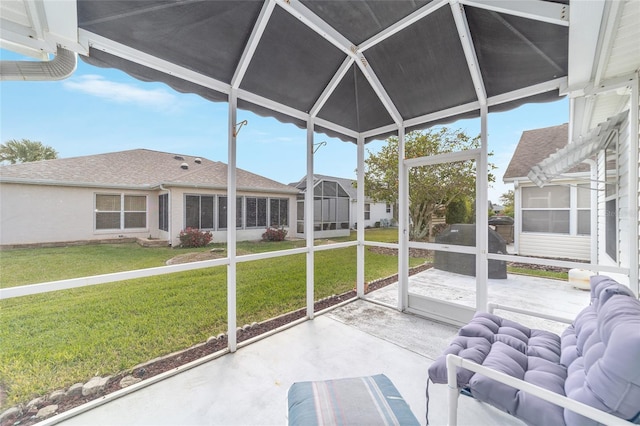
(60, 67)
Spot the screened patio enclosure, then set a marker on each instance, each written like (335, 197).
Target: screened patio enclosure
(359, 71)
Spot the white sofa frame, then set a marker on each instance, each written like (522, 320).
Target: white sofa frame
(454, 361)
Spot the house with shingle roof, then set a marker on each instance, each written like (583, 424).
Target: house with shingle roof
(554, 220)
(335, 207)
(132, 194)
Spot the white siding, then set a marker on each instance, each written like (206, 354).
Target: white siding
(555, 245)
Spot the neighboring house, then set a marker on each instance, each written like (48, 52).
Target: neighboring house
(335, 207)
(133, 194)
(554, 220)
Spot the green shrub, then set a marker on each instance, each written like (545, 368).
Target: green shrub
(193, 237)
(274, 234)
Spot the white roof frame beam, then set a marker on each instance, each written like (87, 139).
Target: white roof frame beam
(553, 13)
(469, 51)
(331, 87)
(252, 44)
(315, 23)
(402, 24)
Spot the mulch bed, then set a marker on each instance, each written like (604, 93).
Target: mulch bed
(171, 362)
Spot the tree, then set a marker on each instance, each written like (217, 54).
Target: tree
(24, 151)
(507, 201)
(431, 188)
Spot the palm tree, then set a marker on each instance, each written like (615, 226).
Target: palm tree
(24, 151)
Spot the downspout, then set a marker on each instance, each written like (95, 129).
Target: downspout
(170, 219)
(593, 189)
(60, 67)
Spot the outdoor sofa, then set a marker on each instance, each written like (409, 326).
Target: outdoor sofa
(589, 375)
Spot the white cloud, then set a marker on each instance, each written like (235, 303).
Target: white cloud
(123, 93)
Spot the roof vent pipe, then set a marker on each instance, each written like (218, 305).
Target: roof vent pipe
(184, 166)
(60, 67)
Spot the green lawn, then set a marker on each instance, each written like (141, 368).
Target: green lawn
(52, 340)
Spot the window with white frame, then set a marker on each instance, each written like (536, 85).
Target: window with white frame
(388, 208)
(557, 209)
(367, 211)
(120, 211)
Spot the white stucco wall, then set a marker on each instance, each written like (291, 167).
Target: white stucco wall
(32, 214)
(177, 215)
(378, 211)
(36, 214)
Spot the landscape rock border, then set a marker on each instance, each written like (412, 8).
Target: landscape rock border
(62, 400)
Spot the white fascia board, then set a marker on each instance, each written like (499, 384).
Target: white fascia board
(611, 23)
(272, 105)
(44, 182)
(335, 127)
(469, 51)
(329, 89)
(402, 24)
(252, 44)
(553, 13)
(445, 113)
(547, 86)
(61, 20)
(585, 19)
(24, 40)
(609, 85)
(89, 39)
(380, 131)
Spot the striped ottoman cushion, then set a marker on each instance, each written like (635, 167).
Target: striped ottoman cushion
(371, 400)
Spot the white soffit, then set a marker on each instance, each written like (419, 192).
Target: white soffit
(35, 27)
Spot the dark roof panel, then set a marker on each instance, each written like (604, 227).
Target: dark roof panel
(360, 20)
(355, 105)
(207, 37)
(515, 52)
(428, 58)
(292, 63)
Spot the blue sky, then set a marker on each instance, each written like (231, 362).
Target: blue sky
(102, 110)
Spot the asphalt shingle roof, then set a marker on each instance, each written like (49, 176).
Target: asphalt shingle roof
(137, 168)
(536, 145)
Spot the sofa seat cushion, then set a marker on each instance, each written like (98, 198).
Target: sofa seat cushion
(476, 339)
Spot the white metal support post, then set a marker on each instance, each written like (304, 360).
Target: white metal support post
(231, 224)
(403, 224)
(308, 220)
(634, 186)
(360, 212)
(482, 216)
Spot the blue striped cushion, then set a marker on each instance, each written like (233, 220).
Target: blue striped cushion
(371, 400)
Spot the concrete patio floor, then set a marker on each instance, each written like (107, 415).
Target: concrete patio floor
(249, 387)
